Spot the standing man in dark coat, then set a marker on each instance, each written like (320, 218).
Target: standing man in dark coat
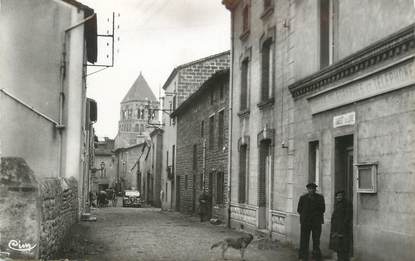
(311, 208)
(341, 227)
(204, 201)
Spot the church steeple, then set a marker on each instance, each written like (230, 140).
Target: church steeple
(139, 91)
(134, 113)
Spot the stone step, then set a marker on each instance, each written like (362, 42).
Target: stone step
(263, 233)
(88, 217)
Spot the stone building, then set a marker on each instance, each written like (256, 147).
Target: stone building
(353, 119)
(343, 83)
(46, 121)
(202, 146)
(136, 112)
(156, 157)
(127, 168)
(181, 83)
(105, 166)
(260, 156)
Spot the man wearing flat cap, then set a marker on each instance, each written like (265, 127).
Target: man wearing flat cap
(311, 208)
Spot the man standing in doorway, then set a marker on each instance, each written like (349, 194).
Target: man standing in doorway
(311, 208)
(341, 232)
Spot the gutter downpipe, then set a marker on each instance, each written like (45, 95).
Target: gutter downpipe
(230, 121)
(61, 126)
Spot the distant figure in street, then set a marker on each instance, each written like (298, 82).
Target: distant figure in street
(161, 196)
(311, 208)
(102, 198)
(114, 198)
(204, 200)
(341, 227)
(91, 199)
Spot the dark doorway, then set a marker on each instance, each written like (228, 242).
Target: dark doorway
(344, 165)
(178, 193)
(148, 187)
(172, 191)
(102, 187)
(211, 193)
(344, 169)
(264, 174)
(151, 189)
(139, 181)
(194, 193)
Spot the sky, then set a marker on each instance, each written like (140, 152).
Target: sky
(151, 37)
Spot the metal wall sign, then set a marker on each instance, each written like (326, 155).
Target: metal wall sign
(344, 119)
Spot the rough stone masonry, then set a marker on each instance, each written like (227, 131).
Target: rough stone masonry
(35, 214)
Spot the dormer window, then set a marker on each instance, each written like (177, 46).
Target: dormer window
(245, 24)
(267, 4)
(268, 9)
(246, 16)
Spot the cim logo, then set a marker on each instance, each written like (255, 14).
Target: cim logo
(17, 245)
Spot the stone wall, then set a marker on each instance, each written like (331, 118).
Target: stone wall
(35, 214)
(274, 114)
(381, 133)
(19, 209)
(193, 75)
(59, 205)
(214, 160)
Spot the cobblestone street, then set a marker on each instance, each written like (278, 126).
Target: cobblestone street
(151, 234)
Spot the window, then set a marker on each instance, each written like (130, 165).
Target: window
(314, 162)
(103, 171)
(166, 193)
(244, 85)
(195, 157)
(202, 129)
(136, 128)
(243, 171)
(167, 158)
(324, 33)
(267, 70)
(267, 4)
(245, 19)
(367, 177)
(152, 157)
(219, 187)
(171, 110)
(173, 155)
(221, 129)
(138, 113)
(185, 182)
(211, 131)
(174, 102)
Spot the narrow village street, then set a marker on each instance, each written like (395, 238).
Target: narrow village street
(288, 125)
(151, 234)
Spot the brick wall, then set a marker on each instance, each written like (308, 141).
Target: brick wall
(189, 134)
(192, 76)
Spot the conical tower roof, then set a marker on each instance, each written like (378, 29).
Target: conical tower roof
(139, 91)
